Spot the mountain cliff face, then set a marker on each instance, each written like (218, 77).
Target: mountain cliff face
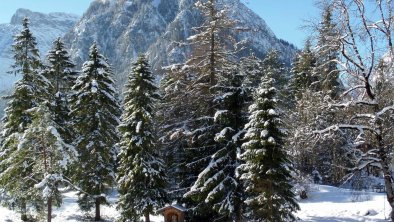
(45, 27)
(125, 28)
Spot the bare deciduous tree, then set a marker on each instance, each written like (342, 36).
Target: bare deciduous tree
(366, 64)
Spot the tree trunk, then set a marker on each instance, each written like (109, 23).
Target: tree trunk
(23, 217)
(147, 219)
(97, 217)
(49, 206)
(237, 217)
(23, 211)
(388, 182)
(385, 163)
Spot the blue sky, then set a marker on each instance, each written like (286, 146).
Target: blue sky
(284, 17)
(8, 7)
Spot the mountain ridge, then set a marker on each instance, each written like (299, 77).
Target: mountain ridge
(124, 28)
(45, 27)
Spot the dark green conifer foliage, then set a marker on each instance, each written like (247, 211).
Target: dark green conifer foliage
(141, 173)
(218, 185)
(327, 54)
(251, 68)
(212, 54)
(173, 112)
(193, 131)
(303, 71)
(60, 68)
(26, 55)
(60, 72)
(266, 171)
(273, 67)
(52, 157)
(28, 93)
(94, 118)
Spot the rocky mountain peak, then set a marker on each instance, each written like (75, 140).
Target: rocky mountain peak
(125, 28)
(45, 27)
(56, 19)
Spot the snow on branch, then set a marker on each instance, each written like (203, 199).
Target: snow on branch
(362, 116)
(354, 103)
(385, 109)
(337, 127)
(352, 89)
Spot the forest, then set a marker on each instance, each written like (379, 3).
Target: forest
(227, 134)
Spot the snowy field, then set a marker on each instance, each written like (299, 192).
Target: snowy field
(325, 204)
(331, 204)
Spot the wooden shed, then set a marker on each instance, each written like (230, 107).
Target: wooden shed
(173, 213)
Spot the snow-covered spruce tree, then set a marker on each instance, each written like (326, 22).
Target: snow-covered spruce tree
(365, 41)
(28, 93)
(303, 71)
(60, 68)
(26, 55)
(141, 173)
(94, 118)
(272, 66)
(49, 157)
(195, 126)
(173, 113)
(251, 68)
(327, 54)
(266, 171)
(212, 52)
(217, 185)
(60, 72)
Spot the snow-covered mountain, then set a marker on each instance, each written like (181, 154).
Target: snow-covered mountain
(125, 28)
(45, 27)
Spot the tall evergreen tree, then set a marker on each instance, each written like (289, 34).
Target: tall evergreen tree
(303, 71)
(26, 55)
(51, 158)
(266, 171)
(173, 115)
(94, 118)
(141, 173)
(251, 67)
(327, 54)
(193, 131)
(211, 55)
(60, 68)
(60, 72)
(311, 108)
(217, 185)
(273, 67)
(28, 93)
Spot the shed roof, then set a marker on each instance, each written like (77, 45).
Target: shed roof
(174, 206)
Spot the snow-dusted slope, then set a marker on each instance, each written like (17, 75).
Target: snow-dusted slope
(45, 27)
(125, 28)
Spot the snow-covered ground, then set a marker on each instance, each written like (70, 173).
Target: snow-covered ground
(70, 212)
(325, 204)
(331, 204)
